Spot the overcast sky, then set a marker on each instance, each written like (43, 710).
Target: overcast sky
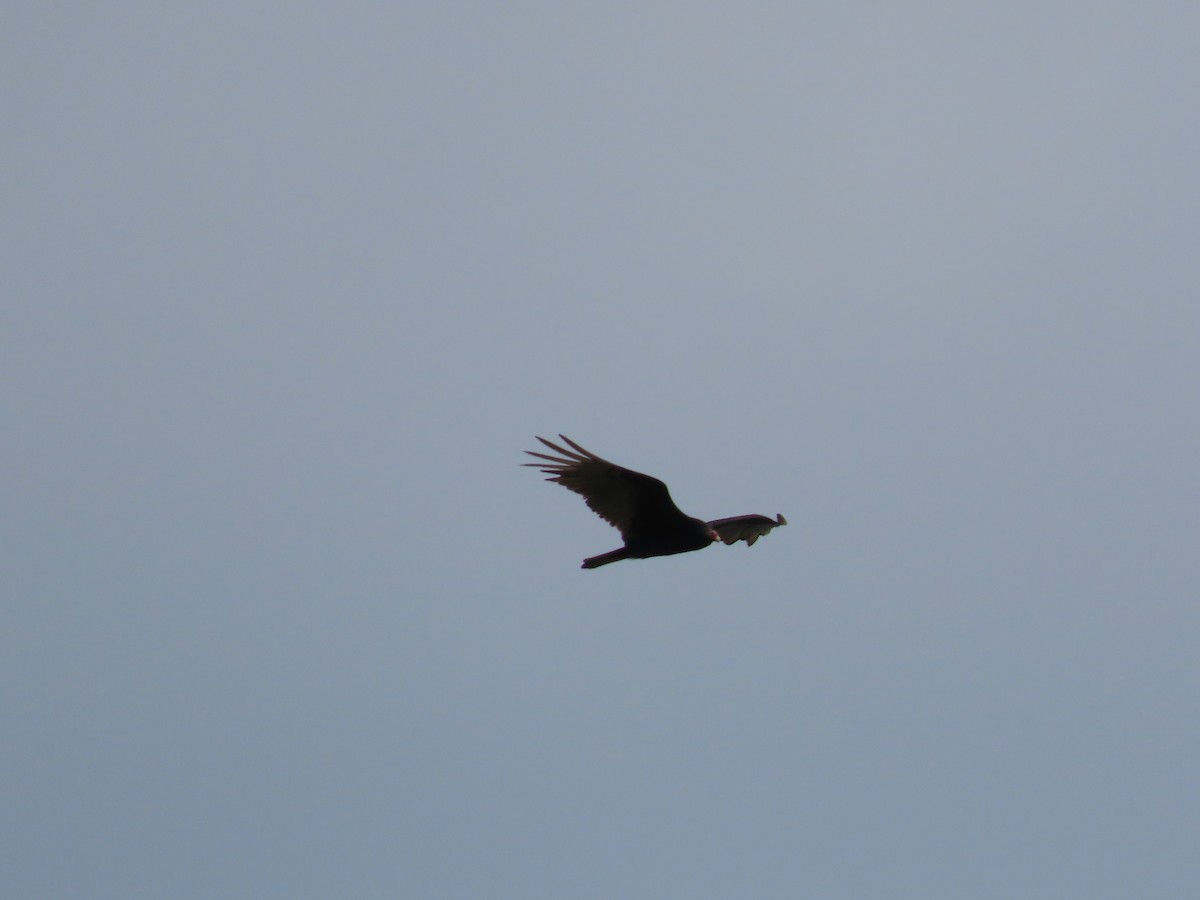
(288, 287)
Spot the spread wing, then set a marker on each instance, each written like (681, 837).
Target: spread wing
(627, 500)
(745, 528)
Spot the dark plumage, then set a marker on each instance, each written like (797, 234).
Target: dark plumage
(640, 507)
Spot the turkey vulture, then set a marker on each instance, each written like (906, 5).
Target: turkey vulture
(640, 507)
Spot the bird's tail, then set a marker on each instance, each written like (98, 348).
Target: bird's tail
(604, 559)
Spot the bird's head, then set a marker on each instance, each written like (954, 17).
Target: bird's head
(702, 530)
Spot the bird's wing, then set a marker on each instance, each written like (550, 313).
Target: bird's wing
(623, 498)
(745, 528)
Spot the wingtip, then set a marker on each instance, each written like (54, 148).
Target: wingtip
(574, 446)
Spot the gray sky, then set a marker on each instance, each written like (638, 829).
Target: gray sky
(290, 286)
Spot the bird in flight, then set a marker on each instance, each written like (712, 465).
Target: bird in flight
(640, 507)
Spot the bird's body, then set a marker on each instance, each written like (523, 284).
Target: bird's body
(659, 539)
(640, 507)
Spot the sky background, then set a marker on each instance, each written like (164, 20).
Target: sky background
(288, 287)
